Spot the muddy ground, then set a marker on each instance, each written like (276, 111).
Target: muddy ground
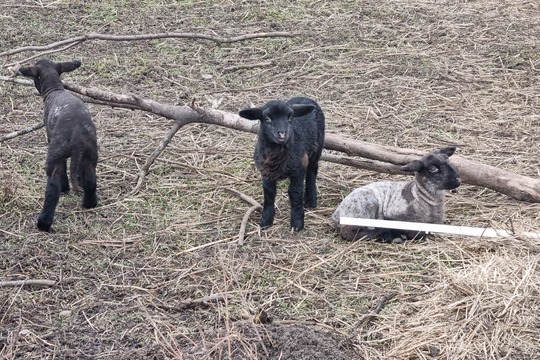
(127, 276)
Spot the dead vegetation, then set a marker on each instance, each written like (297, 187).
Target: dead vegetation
(410, 74)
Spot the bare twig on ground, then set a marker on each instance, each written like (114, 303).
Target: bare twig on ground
(366, 320)
(169, 35)
(41, 54)
(190, 303)
(152, 158)
(255, 206)
(248, 66)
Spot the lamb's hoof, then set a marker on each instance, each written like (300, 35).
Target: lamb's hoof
(45, 228)
(398, 240)
(266, 224)
(310, 205)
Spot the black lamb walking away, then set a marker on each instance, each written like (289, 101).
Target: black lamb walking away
(289, 145)
(419, 200)
(70, 133)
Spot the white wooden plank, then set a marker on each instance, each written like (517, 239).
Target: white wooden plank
(433, 228)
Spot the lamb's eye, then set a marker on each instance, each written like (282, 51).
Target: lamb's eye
(433, 169)
(267, 119)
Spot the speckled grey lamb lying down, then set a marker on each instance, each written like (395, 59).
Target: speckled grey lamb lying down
(419, 200)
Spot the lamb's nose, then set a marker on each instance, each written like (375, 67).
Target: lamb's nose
(281, 134)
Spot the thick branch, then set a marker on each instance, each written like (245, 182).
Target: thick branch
(37, 282)
(362, 164)
(517, 186)
(169, 35)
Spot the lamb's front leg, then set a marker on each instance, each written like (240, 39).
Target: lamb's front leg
(296, 198)
(269, 211)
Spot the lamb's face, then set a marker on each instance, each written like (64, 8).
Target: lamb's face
(438, 174)
(434, 170)
(276, 118)
(276, 122)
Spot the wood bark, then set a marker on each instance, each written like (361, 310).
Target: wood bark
(384, 158)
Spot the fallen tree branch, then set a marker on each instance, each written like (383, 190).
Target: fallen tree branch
(27, 130)
(514, 185)
(169, 35)
(363, 164)
(40, 282)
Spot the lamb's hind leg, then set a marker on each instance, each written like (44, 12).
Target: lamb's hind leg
(52, 194)
(310, 197)
(75, 171)
(88, 175)
(353, 233)
(64, 182)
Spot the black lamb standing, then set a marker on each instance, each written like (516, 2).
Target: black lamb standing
(289, 145)
(70, 133)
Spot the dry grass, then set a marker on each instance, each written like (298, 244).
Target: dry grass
(416, 74)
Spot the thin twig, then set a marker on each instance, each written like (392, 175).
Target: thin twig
(248, 66)
(366, 320)
(255, 206)
(169, 35)
(42, 54)
(190, 304)
(152, 158)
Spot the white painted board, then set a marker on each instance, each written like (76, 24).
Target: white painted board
(433, 228)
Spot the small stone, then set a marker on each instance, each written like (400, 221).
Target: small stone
(65, 313)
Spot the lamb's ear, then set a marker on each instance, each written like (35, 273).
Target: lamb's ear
(448, 151)
(251, 113)
(302, 109)
(67, 66)
(413, 166)
(29, 71)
